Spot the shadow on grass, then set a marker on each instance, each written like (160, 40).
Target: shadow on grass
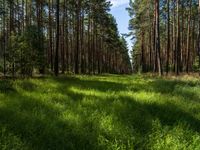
(40, 125)
(102, 86)
(176, 88)
(6, 86)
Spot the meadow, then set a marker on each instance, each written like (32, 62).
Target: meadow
(107, 112)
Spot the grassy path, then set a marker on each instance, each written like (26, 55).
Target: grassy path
(100, 112)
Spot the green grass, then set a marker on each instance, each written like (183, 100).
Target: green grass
(101, 112)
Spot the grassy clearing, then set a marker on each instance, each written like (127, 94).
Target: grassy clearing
(100, 112)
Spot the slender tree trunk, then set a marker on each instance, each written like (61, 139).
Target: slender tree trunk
(188, 38)
(157, 7)
(78, 3)
(63, 52)
(178, 41)
(174, 38)
(142, 53)
(89, 44)
(199, 36)
(150, 50)
(154, 41)
(50, 35)
(11, 3)
(67, 35)
(56, 66)
(4, 39)
(168, 36)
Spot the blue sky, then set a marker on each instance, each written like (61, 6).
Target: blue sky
(121, 15)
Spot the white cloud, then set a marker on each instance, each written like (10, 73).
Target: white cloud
(117, 3)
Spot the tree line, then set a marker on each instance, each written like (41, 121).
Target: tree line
(166, 35)
(60, 36)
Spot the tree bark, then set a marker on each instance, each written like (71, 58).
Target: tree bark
(56, 66)
(157, 7)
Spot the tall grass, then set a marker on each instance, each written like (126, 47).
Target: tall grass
(101, 112)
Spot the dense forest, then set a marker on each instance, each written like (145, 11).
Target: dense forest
(166, 35)
(60, 36)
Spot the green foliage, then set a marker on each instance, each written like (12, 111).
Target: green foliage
(195, 66)
(100, 112)
(25, 51)
(13, 52)
(1, 66)
(34, 37)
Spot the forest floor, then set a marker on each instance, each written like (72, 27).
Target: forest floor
(107, 112)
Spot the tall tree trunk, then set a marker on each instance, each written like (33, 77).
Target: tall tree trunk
(77, 50)
(56, 66)
(89, 43)
(142, 53)
(154, 41)
(157, 7)
(174, 37)
(67, 35)
(199, 36)
(4, 39)
(178, 41)
(50, 35)
(188, 37)
(63, 52)
(168, 36)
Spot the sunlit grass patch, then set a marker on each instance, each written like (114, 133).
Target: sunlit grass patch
(179, 137)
